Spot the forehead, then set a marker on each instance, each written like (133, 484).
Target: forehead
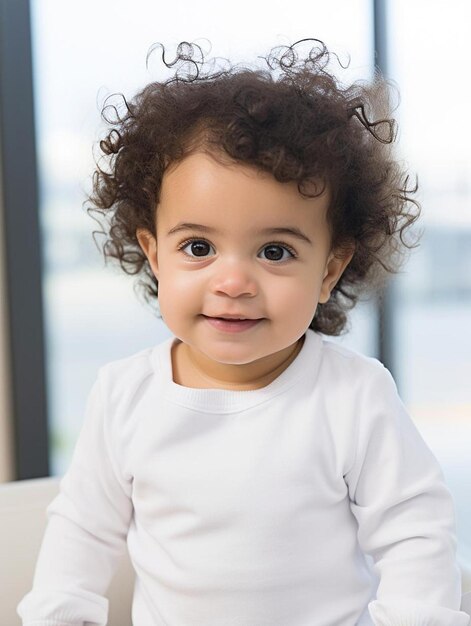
(203, 186)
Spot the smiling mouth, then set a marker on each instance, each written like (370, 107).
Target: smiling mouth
(231, 325)
(234, 319)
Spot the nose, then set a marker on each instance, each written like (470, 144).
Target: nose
(234, 279)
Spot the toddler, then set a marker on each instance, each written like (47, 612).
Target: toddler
(257, 473)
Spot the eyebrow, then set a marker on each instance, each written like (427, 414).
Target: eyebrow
(276, 230)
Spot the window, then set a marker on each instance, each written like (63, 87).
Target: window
(432, 299)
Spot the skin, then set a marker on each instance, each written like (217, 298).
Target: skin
(236, 269)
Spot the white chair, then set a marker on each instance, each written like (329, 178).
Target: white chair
(22, 523)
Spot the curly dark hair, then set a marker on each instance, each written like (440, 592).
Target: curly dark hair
(294, 120)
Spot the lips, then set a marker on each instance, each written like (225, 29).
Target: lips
(232, 317)
(231, 325)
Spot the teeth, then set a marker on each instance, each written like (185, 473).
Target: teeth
(232, 319)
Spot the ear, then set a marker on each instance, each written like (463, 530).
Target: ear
(335, 266)
(149, 247)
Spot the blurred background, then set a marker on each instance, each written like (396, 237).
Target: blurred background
(64, 314)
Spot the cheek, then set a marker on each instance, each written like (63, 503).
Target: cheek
(175, 303)
(293, 291)
(291, 309)
(177, 290)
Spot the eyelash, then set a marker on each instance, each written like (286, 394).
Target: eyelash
(287, 247)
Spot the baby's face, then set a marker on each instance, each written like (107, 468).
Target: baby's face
(218, 254)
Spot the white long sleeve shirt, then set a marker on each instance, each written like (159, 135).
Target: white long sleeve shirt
(313, 501)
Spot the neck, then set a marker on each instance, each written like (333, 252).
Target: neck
(241, 377)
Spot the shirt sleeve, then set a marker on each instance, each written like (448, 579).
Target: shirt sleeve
(405, 515)
(86, 531)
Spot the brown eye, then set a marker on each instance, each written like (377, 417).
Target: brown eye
(274, 252)
(198, 247)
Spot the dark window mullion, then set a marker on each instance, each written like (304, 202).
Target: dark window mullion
(385, 330)
(22, 241)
